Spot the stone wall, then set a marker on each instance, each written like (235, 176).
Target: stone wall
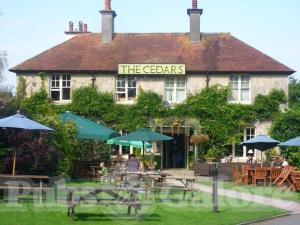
(260, 84)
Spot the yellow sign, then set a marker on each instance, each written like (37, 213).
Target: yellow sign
(157, 69)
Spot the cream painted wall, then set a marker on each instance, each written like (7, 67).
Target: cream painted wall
(33, 83)
(152, 83)
(263, 84)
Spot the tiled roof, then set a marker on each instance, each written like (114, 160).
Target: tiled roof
(219, 52)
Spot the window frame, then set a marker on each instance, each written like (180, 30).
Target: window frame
(240, 88)
(60, 88)
(175, 89)
(126, 89)
(252, 135)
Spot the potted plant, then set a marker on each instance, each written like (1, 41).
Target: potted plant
(273, 154)
(151, 165)
(210, 155)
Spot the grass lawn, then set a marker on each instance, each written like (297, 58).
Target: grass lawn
(163, 212)
(273, 192)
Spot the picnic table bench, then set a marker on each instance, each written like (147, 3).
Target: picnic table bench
(12, 182)
(116, 199)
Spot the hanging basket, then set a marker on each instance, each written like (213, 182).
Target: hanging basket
(199, 139)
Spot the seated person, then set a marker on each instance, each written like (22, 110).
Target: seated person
(284, 162)
(133, 164)
(103, 170)
(278, 162)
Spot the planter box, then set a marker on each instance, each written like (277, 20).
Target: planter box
(225, 170)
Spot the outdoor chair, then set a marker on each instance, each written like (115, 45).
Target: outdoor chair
(237, 176)
(283, 176)
(93, 174)
(274, 173)
(295, 181)
(245, 173)
(260, 173)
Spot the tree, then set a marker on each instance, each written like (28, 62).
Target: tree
(287, 126)
(294, 93)
(3, 64)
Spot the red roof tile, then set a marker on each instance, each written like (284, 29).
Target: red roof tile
(215, 53)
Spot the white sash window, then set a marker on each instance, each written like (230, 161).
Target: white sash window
(240, 87)
(60, 87)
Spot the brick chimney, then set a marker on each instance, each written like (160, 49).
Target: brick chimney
(108, 18)
(194, 14)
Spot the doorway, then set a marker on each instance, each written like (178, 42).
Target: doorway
(174, 154)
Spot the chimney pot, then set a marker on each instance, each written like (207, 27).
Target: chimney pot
(85, 28)
(107, 5)
(80, 25)
(71, 26)
(195, 4)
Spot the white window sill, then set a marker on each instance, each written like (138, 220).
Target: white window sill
(126, 103)
(63, 102)
(240, 102)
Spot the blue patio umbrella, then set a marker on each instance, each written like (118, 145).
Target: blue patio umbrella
(20, 122)
(291, 142)
(261, 142)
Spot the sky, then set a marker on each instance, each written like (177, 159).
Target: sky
(29, 27)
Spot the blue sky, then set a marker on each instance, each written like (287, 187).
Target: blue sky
(32, 26)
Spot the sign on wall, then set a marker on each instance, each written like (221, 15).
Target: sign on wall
(152, 69)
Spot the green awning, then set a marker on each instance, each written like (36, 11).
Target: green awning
(88, 129)
(135, 144)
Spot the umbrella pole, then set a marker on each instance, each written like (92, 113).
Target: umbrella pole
(14, 163)
(261, 159)
(143, 157)
(15, 154)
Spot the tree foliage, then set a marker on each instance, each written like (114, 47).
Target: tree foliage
(267, 106)
(294, 93)
(3, 64)
(287, 126)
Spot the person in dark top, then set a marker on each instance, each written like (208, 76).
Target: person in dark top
(133, 164)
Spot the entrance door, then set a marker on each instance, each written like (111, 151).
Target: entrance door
(174, 152)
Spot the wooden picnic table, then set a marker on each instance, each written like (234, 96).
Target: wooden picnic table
(116, 198)
(187, 184)
(13, 178)
(251, 173)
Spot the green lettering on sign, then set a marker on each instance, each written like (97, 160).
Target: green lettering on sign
(153, 69)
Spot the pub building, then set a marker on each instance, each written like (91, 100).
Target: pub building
(171, 64)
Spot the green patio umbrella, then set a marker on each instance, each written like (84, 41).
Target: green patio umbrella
(135, 144)
(145, 135)
(88, 129)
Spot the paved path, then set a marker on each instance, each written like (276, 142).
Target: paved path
(286, 220)
(291, 206)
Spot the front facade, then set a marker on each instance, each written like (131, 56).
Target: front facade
(172, 64)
